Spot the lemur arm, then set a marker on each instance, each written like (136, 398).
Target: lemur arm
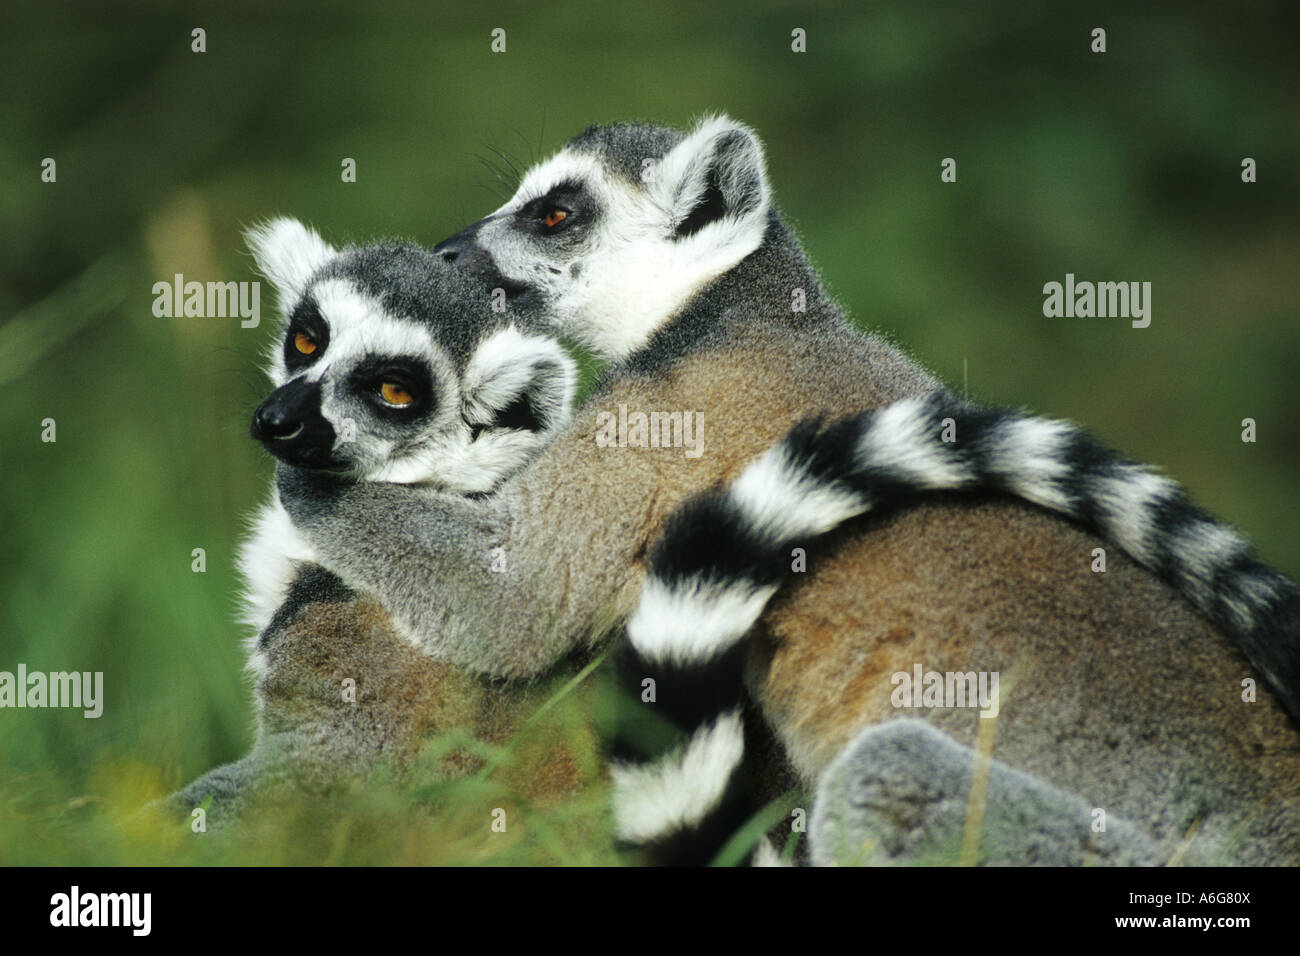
(502, 586)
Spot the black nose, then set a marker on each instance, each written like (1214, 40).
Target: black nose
(292, 427)
(453, 247)
(282, 415)
(275, 420)
(291, 415)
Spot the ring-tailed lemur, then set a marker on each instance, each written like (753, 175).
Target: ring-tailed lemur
(726, 552)
(388, 367)
(662, 250)
(387, 370)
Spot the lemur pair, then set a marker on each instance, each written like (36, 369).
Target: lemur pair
(683, 279)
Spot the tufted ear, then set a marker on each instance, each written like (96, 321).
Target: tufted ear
(519, 381)
(288, 254)
(716, 175)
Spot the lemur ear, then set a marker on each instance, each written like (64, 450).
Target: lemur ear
(288, 254)
(519, 381)
(716, 174)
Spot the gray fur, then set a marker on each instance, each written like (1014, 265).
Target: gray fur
(414, 284)
(624, 147)
(900, 794)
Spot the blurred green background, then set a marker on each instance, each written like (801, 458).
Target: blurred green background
(1119, 166)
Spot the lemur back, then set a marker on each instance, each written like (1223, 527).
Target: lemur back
(959, 586)
(732, 546)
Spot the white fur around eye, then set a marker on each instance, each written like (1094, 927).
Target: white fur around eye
(504, 366)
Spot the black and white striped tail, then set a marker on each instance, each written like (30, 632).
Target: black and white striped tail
(681, 807)
(724, 554)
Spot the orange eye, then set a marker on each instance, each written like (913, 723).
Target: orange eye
(395, 394)
(304, 343)
(554, 217)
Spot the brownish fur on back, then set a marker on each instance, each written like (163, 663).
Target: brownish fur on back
(1113, 686)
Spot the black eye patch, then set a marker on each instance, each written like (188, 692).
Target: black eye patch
(570, 197)
(307, 320)
(411, 375)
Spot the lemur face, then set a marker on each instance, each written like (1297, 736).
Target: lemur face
(614, 234)
(394, 368)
